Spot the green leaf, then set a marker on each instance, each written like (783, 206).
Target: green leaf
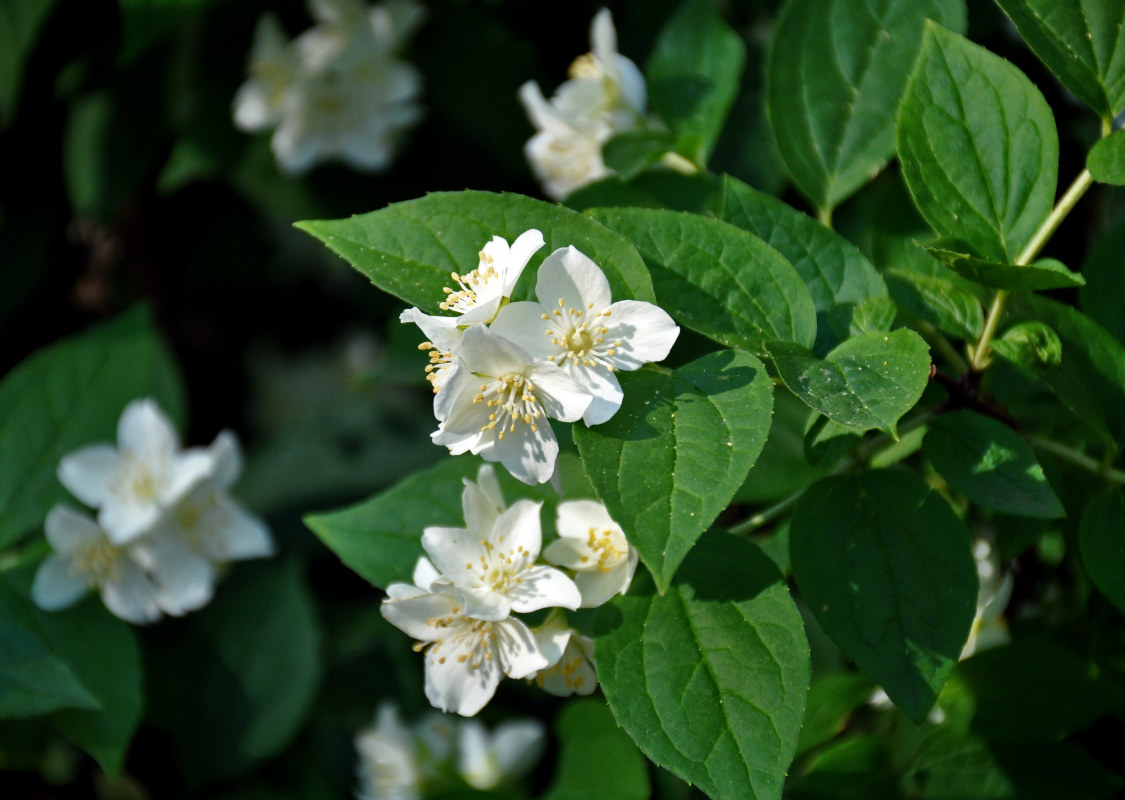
(700, 193)
(940, 302)
(710, 678)
(1082, 42)
(250, 663)
(837, 73)
(978, 146)
(781, 469)
(1106, 160)
(835, 271)
(381, 538)
(20, 23)
(872, 314)
(1103, 296)
(1032, 345)
(694, 72)
(1102, 538)
(831, 701)
(887, 569)
(716, 279)
(856, 768)
(632, 152)
(409, 249)
(867, 382)
(1044, 274)
(678, 449)
(592, 744)
(991, 464)
(71, 395)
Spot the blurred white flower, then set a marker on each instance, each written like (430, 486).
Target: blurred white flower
(573, 672)
(134, 484)
(389, 767)
(496, 405)
(86, 559)
(605, 95)
(485, 760)
(595, 547)
(338, 90)
(577, 325)
(989, 628)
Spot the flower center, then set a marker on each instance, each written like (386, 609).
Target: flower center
(580, 334)
(473, 638)
(585, 66)
(512, 400)
(501, 570)
(607, 548)
(97, 563)
(466, 298)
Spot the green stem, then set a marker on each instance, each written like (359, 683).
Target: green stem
(943, 346)
(1068, 453)
(979, 357)
(766, 516)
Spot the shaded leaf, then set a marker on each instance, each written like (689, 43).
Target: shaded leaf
(1044, 274)
(591, 744)
(1032, 345)
(1102, 538)
(20, 23)
(630, 153)
(940, 302)
(1103, 296)
(1106, 160)
(831, 701)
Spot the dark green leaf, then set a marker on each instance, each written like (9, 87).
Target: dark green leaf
(68, 396)
(781, 469)
(978, 146)
(867, 382)
(145, 22)
(831, 701)
(592, 744)
(1106, 160)
(1032, 345)
(409, 249)
(672, 458)
(630, 153)
(700, 193)
(1103, 544)
(826, 441)
(940, 302)
(1082, 42)
(694, 72)
(1103, 296)
(717, 279)
(837, 73)
(855, 768)
(710, 678)
(852, 319)
(19, 30)
(886, 568)
(990, 464)
(1045, 274)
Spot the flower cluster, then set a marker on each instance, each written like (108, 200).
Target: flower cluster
(604, 96)
(465, 590)
(336, 91)
(500, 370)
(400, 762)
(165, 522)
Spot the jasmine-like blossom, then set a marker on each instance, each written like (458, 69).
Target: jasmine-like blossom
(488, 759)
(605, 95)
(274, 66)
(573, 672)
(576, 324)
(134, 484)
(84, 558)
(399, 761)
(592, 545)
(497, 402)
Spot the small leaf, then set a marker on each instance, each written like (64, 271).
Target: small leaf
(867, 382)
(630, 153)
(717, 279)
(940, 302)
(591, 743)
(989, 463)
(837, 74)
(694, 73)
(978, 146)
(710, 678)
(887, 569)
(409, 249)
(1106, 160)
(676, 452)
(68, 396)
(1032, 345)
(1082, 42)
(1044, 274)
(1102, 538)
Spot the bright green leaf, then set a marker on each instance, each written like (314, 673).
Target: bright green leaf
(678, 449)
(867, 382)
(592, 744)
(837, 72)
(940, 302)
(887, 569)
(717, 279)
(1102, 537)
(990, 464)
(694, 72)
(1106, 160)
(68, 396)
(978, 146)
(409, 249)
(1082, 42)
(1045, 274)
(710, 678)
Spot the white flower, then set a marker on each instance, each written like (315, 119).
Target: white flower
(85, 559)
(496, 402)
(442, 344)
(988, 628)
(485, 760)
(259, 103)
(595, 547)
(577, 325)
(205, 529)
(465, 657)
(482, 291)
(573, 671)
(492, 568)
(134, 484)
(605, 95)
(388, 759)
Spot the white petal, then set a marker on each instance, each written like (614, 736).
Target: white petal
(518, 649)
(598, 587)
(455, 552)
(442, 332)
(475, 760)
(125, 522)
(530, 456)
(544, 587)
(146, 431)
(574, 518)
(239, 536)
(133, 597)
(425, 573)
(569, 275)
(518, 527)
(192, 468)
(413, 615)
(404, 591)
(603, 36)
(569, 553)
(483, 602)
(452, 686)
(631, 83)
(552, 638)
(88, 472)
(562, 397)
(482, 501)
(55, 587)
(518, 745)
(522, 249)
(67, 529)
(604, 388)
(645, 331)
(485, 353)
(226, 456)
(523, 324)
(184, 581)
